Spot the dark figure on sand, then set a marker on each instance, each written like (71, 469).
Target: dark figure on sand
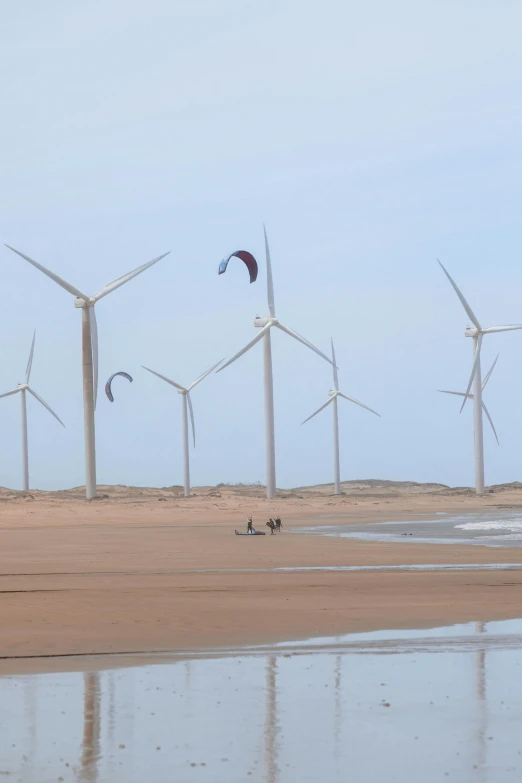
(275, 525)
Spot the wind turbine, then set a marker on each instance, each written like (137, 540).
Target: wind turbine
(477, 333)
(333, 394)
(23, 388)
(265, 325)
(186, 403)
(89, 355)
(470, 396)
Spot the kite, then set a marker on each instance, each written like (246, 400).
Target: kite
(247, 258)
(108, 391)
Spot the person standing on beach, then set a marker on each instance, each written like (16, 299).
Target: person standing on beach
(250, 526)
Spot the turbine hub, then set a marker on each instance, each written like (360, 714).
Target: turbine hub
(22, 386)
(79, 302)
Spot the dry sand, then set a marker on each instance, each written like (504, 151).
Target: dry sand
(110, 576)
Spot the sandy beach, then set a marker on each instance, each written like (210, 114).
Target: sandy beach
(144, 570)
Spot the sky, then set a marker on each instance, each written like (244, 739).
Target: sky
(371, 139)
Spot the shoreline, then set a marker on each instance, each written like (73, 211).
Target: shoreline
(381, 641)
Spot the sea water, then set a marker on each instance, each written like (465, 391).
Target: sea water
(487, 529)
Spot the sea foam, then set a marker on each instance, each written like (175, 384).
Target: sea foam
(508, 525)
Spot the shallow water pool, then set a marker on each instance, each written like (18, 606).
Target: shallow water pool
(406, 705)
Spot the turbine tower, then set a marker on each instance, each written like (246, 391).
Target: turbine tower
(470, 396)
(333, 395)
(265, 325)
(477, 333)
(22, 388)
(186, 403)
(89, 355)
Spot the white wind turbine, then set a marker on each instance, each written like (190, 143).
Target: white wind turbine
(266, 324)
(23, 388)
(186, 403)
(470, 396)
(333, 394)
(89, 355)
(477, 333)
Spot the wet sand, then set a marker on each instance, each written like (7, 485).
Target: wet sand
(438, 704)
(126, 575)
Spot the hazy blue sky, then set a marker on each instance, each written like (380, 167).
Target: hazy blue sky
(371, 138)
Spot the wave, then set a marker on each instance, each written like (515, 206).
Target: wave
(509, 525)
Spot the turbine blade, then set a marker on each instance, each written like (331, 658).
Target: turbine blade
(36, 396)
(459, 394)
(303, 340)
(108, 289)
(202, 377)
(352, 399)
(94, 347)
(30, 362)
(64, 284)
(491, 422)
(488, 376)
(191, 418)
(163, 378)
(336, 377)
(248, 346)
(476, 361)
(8, 394)
(495, 329)
(269, 280)
(460, 295)
(318, 410)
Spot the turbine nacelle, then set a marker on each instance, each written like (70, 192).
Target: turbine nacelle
(261, 322)
(471, 332)
(22, 386)
(333, 393)
(89, 301)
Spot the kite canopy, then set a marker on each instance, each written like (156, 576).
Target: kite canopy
(247, 258)
(108, 385)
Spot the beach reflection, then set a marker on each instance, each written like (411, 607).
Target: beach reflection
(91, 728)
(338, 707)
(271, 726)
(481, 705)
(430, 703)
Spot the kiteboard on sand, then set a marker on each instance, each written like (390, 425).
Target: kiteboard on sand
(256, 533)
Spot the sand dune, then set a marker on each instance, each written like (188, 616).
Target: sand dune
(360, 488)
